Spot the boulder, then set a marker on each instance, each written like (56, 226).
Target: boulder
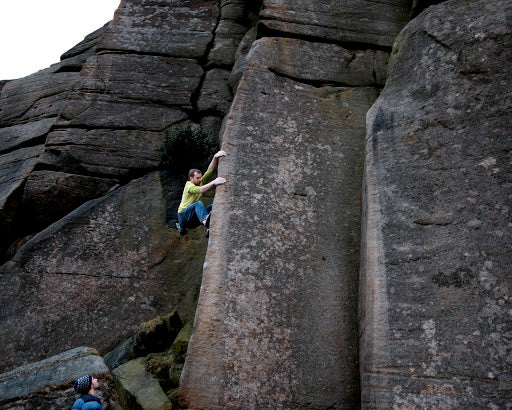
(353, 21)
(49, 196)
(99, 272)
(153, 336)
(55, 375)
(183, 29)
(138, 389)
(156, 79)
(121, 354)
(435, 277)
(276, 324)
(106, 152)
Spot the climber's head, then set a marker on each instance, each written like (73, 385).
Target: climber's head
(194, 175)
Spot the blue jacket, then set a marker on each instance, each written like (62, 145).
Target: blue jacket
(87, 402)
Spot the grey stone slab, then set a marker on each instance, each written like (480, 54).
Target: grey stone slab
(183, 30)
(58, 370)
(12, 137)
(319, 63)
(110, 111)
(138, 389)
(15, 167)
(102, 151)
(50, 195)
(351, 21)
(147, 78)
(41, 94)
(436, 288)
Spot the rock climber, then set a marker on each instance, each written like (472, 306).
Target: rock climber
(192, 212)
(86, 386)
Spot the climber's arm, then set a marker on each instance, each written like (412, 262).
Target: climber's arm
(210, 185)
(215, 160)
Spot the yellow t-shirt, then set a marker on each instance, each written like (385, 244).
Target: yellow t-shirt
(191, 192)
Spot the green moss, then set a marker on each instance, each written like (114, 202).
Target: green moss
(180, 345)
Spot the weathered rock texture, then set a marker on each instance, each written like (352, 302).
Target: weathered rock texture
(83, 128)
(436, 286)
(101, 111)
(138, 389)
(98, 273)
(84, 215)
(352, 21)
(153, 336)
(279, 290)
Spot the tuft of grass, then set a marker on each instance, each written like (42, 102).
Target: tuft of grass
(186, 147)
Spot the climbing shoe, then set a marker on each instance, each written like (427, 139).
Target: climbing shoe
(180, 229)
(206, 221)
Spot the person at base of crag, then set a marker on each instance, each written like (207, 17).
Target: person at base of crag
(192, 212)
(86, 386)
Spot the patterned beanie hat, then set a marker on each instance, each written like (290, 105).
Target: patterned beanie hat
(83, 384)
